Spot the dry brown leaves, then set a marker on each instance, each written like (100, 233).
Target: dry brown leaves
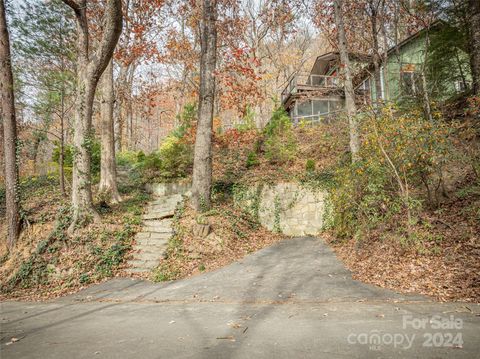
(232, 237)
(446, 269)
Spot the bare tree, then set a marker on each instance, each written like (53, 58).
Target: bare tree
(202, 165)
(474, 29)
(9, 133)
(90, 66)
(348, 83)
(108, 171)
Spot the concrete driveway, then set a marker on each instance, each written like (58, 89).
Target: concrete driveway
(291, 300)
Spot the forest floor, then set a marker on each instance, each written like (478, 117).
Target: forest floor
(47, 263)
(444, 263)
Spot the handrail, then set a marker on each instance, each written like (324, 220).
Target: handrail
(315, 118)
(301, 78)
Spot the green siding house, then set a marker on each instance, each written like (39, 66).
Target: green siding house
(318, 95)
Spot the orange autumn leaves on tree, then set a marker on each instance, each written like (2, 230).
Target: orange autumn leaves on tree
(240, 78)
(142, 18)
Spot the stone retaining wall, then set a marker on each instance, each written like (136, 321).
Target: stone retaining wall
(284, 207)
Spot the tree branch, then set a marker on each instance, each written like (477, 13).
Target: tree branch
(74, 5)
(112, 28)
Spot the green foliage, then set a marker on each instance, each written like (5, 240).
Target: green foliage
(95, 150)
(248, 122)
(400, 151)
(310, 166)
(447, 61)
(252, 159)
(127, 158)
(176, 157)
(280, 143)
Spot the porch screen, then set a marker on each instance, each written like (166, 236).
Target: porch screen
(320, 107)
(304, 108)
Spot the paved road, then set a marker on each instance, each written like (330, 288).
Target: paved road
(292, 300)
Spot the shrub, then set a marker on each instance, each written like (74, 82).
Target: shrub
(252, 159)
(95, 151)
(149, 167)
(280, 143)
(127, 158)
(400, 151)
(310, 166)
(176, 157)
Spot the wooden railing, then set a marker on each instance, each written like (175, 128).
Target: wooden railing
(313, 119)
(308, 80)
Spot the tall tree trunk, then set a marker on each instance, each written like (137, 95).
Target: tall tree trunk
(386, 89)
(376, 50)
(61, 158)
(9, 133)
(348, 84)
(474, 34)
(108, 171)
(202, 165)
(90, 67)
(425, 94)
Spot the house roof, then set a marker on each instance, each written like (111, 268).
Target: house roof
(322, 61)
(415, 35)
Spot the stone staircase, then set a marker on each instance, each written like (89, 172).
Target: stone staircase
(151, 243)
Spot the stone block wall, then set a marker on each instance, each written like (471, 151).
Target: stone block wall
(284, 207)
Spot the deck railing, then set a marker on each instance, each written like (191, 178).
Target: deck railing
(308, 80)
(314, 119)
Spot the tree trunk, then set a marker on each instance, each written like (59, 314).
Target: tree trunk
(202, 165)
(386, 90)
(90, 67)
(61, 159)
(108, 171)
(9, 134)
(376, 51)
(348, 85)
(474, 27)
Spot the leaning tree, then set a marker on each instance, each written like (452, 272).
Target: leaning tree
(91, 63)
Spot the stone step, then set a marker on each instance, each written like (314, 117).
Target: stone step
(154, 214)
(159, 231)
(144, 243)
(140, 263)
(139, 270)
(166, 222)
(162, 207)
(148, 256)
(159, 247)
(154, 236)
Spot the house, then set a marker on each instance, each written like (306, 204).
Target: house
(318, 95)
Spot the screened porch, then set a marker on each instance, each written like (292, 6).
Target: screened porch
(314, 110)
